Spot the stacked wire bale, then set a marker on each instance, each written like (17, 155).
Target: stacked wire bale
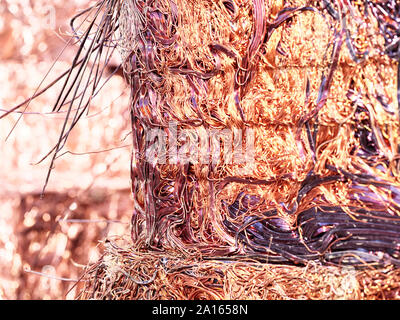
(125, 273)
(307, 93)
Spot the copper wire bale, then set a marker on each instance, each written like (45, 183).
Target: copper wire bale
(125, 274)
(317, 87)
(313, 86)
(317, 83)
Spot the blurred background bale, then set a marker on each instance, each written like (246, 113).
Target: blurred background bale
(92, 186)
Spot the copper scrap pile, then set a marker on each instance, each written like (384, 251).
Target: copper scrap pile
(316, 82)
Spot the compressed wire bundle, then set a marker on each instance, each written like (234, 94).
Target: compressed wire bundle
(315, 84)
(124, 273)
(264, 131)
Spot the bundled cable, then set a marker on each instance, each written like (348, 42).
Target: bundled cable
(323, 185)
(263, 130)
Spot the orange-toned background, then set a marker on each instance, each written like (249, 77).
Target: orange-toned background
(39, 235)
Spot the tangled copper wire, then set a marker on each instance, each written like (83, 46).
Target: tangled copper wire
(125, 274)
(320, 93)
(317, 82)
